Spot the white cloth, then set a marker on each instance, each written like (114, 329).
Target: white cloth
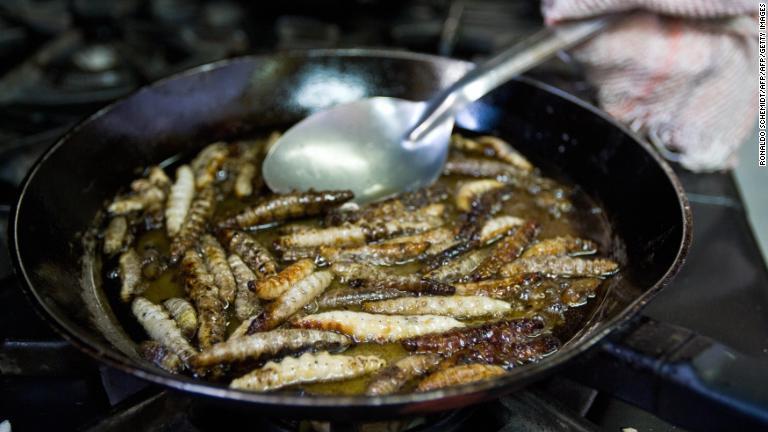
(682, 73)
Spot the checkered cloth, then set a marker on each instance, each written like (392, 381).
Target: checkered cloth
(682, 72)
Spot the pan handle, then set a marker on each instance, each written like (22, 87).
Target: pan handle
(681, 376)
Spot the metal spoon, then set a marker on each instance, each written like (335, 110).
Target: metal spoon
(382, 145)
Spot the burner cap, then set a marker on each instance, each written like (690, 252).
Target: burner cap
(96, 58)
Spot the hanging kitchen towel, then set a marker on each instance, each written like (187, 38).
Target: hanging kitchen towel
(682, 73)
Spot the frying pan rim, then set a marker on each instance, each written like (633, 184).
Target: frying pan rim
(85, 343)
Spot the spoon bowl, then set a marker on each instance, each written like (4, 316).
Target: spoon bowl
(367, 150)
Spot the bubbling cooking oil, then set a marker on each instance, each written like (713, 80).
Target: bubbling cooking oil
(586, 220)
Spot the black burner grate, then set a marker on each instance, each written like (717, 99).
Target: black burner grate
(547, 407)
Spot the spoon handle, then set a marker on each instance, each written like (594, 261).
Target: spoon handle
(513, 61)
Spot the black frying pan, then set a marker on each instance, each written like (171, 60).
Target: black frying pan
(68, 186)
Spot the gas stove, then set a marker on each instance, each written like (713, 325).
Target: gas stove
(62, 60)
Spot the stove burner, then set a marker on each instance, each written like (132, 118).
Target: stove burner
(116, 47)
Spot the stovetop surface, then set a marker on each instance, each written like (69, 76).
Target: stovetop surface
(63, 62)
